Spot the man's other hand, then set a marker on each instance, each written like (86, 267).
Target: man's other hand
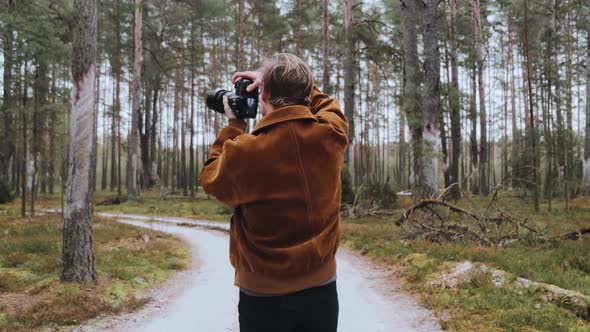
(255, 76)
(228, 111)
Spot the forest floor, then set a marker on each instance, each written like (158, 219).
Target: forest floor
(477, 305)
(129, 261)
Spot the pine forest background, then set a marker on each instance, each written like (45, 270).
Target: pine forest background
(488, 94)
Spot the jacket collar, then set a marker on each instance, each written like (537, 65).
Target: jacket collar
(282, 114)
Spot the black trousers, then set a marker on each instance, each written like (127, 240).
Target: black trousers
(311, 310)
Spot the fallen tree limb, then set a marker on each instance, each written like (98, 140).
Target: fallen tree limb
(575, 235)
(431, 201)
(112, 201)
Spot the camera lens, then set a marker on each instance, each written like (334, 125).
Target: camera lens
(215, 100)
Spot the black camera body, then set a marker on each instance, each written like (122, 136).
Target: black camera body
(243, 103)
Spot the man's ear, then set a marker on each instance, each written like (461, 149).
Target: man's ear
(265, 95)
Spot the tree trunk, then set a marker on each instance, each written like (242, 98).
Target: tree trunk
(297, 29)
(432, 107)
(136, 105)
(25, 152)
(239, 38)
(78, 248)
(326, 48)
(412, 99)
(115, 132)
(183, 177)
(191, 150)
(9, 139)
(154, 155)
(455, 105)
(349, 79)
(532, 131)
(483, 144)
(586, 180)
(144, 136)
(473, 135)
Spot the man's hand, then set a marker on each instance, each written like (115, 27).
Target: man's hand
(255, 76)
(228, 111)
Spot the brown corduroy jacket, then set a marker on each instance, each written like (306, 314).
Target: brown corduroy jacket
(283, 181)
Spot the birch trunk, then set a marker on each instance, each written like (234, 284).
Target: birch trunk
(136, 105)
(78, 248)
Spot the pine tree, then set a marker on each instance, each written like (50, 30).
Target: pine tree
(78, 247)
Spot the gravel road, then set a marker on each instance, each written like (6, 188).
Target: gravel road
(203, 297)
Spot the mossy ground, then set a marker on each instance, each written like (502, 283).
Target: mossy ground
(31, 294)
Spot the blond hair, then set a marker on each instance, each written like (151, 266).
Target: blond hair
(288, 79)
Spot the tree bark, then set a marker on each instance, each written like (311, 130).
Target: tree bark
(78, 248)
(412, 100)
(432, 107)
(136, 106)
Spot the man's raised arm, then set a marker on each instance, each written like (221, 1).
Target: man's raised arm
(218, 175)
(327, 110)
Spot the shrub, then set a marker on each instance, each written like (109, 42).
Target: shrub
(347, 190)
(378, 193)
(5, 194)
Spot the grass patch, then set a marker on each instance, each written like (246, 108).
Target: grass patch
(154, 203)
(31, 295)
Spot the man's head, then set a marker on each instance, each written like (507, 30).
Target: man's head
(286, 80)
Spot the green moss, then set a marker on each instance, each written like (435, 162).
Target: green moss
(117, 293)
(30, 256)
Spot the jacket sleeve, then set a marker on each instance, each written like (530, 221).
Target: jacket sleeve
(218, 176)
(327, 110)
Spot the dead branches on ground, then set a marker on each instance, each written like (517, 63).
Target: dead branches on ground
(112, 201)
(438, 220)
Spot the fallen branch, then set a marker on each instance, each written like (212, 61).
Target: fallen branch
(575, 235)
(112, 201)
(437, 220)
(431, 201)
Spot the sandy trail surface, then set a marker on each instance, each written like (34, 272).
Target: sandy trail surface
(203, 297)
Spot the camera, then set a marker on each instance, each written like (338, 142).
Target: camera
(243, 103)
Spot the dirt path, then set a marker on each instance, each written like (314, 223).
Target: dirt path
(203, 297)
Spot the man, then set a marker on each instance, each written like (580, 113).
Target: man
(283, 181)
